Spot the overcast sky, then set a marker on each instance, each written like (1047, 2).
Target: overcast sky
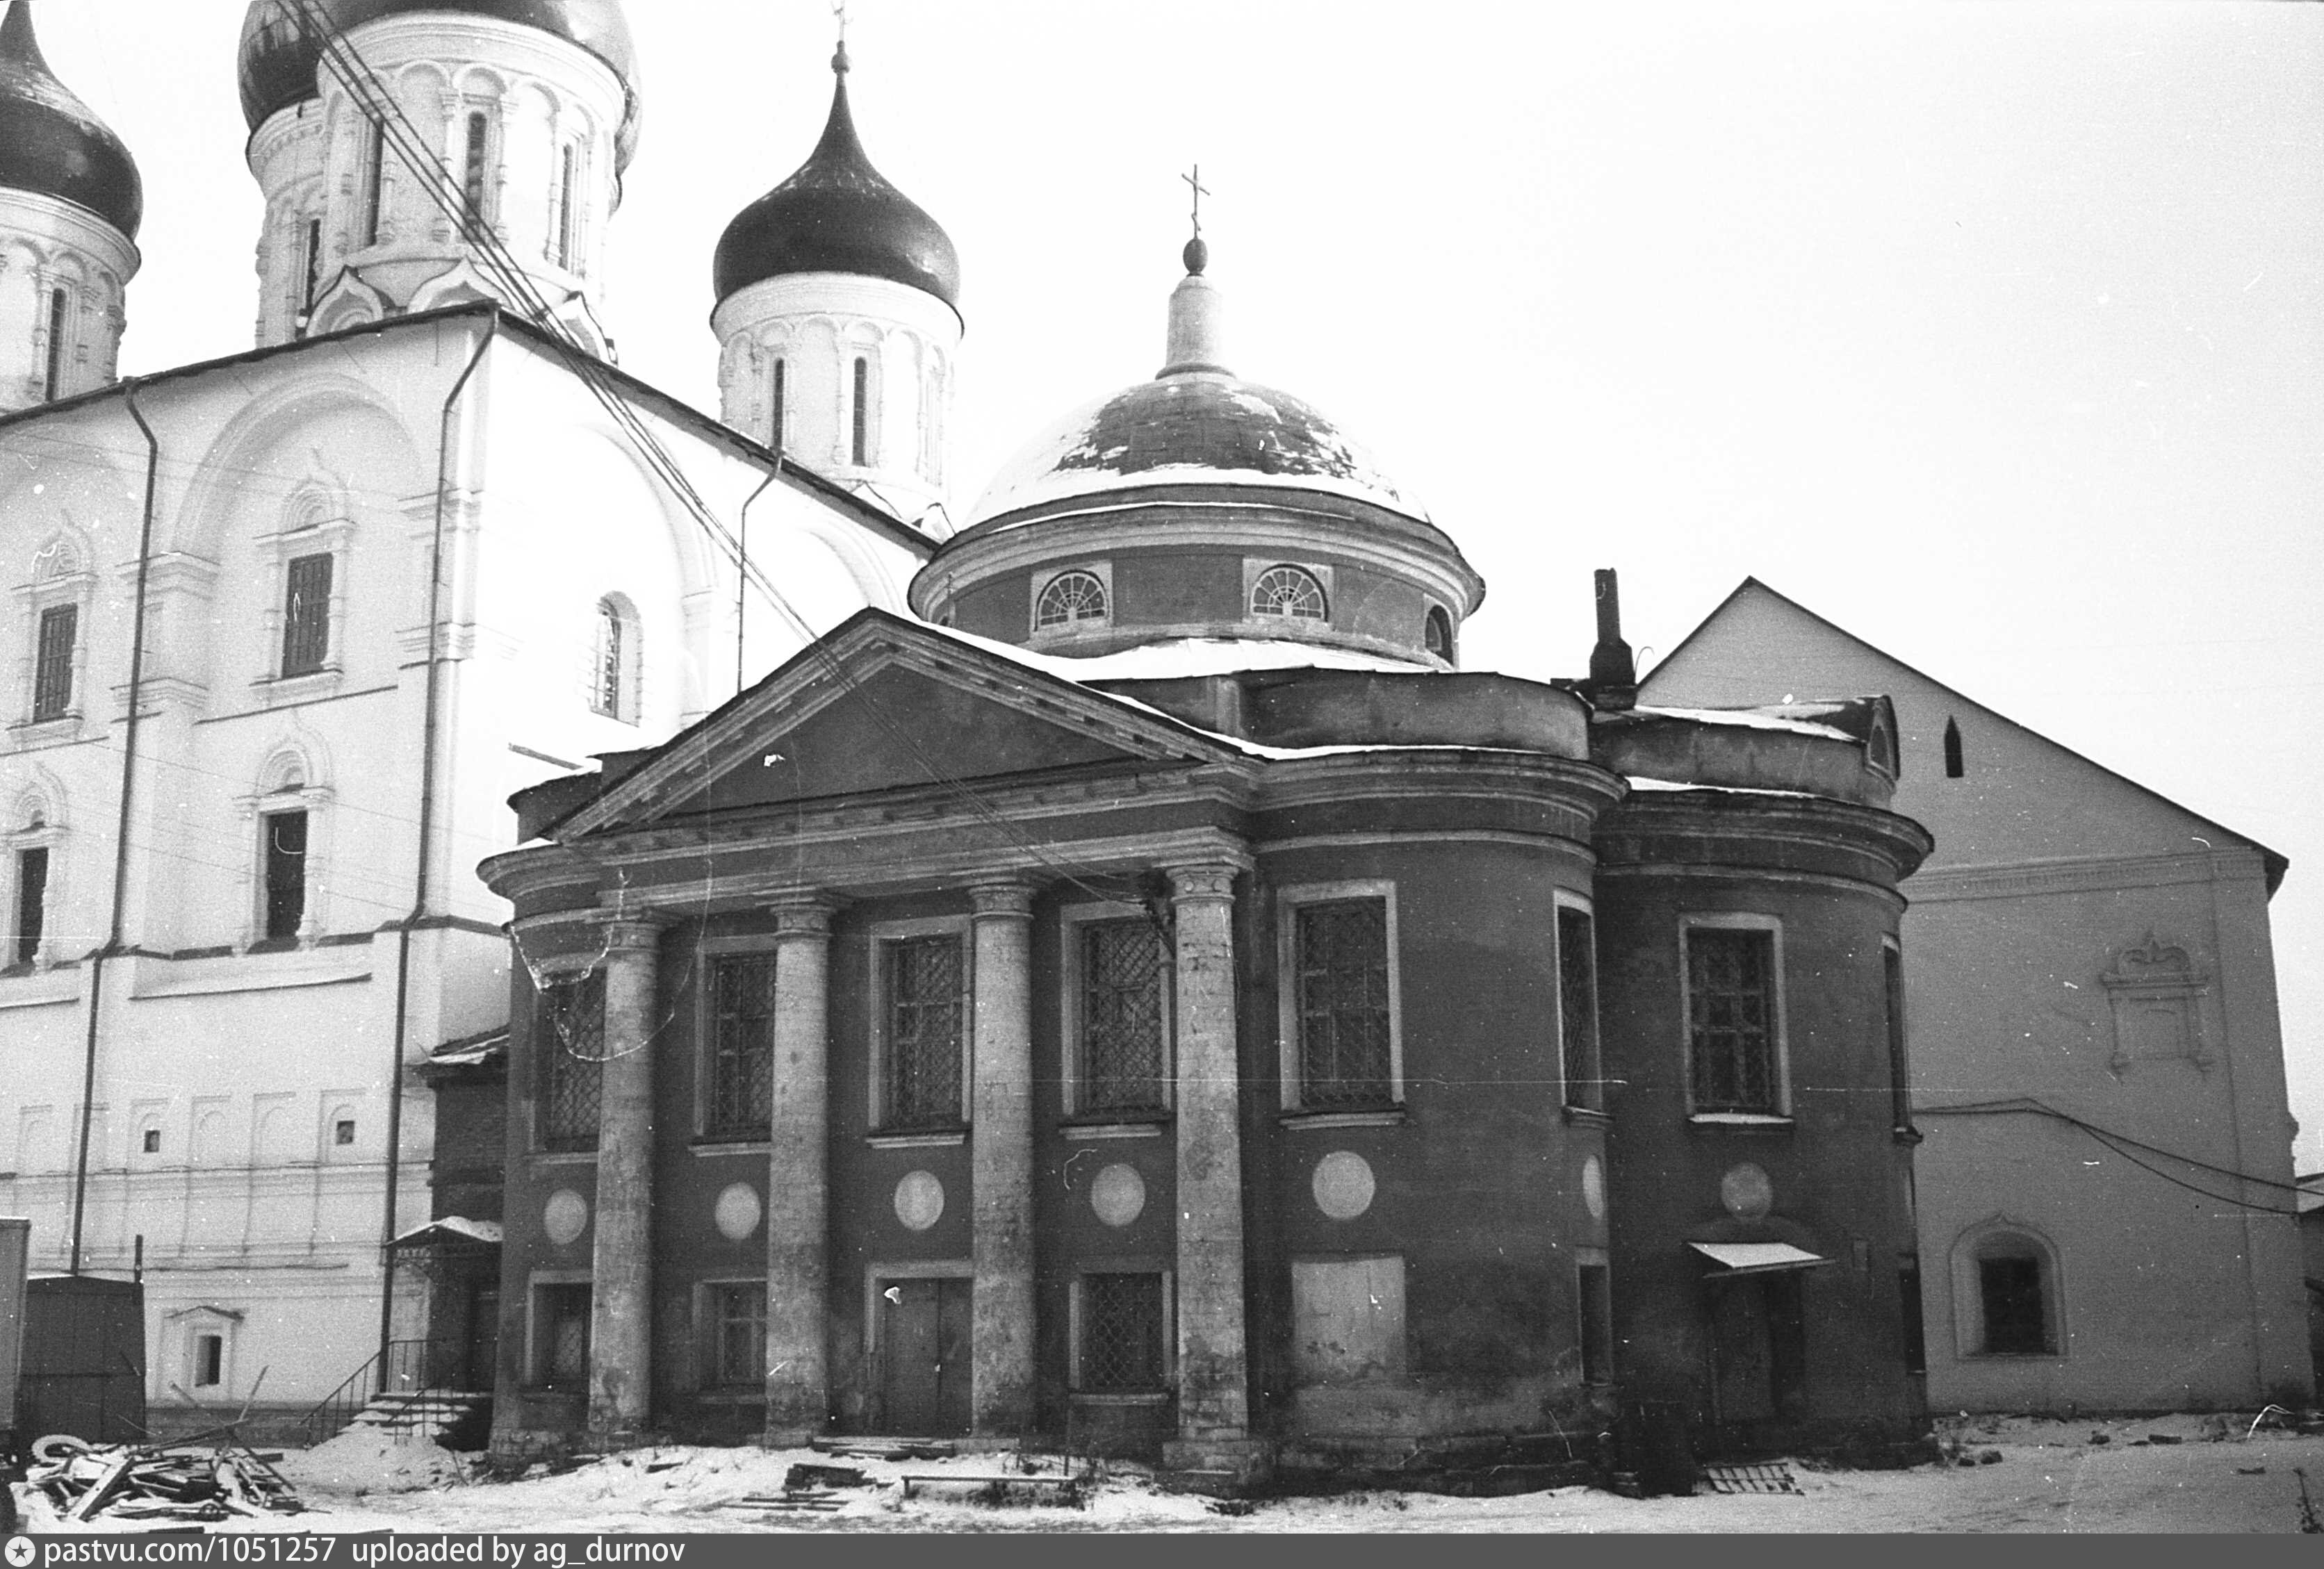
(1994, 332)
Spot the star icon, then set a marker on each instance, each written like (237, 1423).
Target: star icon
(19, 1552)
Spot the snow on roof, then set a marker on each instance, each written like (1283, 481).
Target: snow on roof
(474, 1048)
(1219, 656)
(1780, 717)
(455, 1226)
(1640, 783)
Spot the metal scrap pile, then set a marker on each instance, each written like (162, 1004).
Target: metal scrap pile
(156, 1482)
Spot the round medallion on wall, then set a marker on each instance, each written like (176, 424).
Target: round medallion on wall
(1344, 1185)
(737, 1211)
(1118, 1196)
(919, 1200)
(1747, 1192)
(564, 1216)
(1593, 1187)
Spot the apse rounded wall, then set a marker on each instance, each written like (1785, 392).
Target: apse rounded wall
(1207, 561)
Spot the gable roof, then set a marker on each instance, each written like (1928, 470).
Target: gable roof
(2276, 863)
(670, 778)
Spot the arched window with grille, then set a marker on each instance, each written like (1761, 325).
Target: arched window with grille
(2007, 1292)
(1293, 592)
(1070, 599)
(614, 663)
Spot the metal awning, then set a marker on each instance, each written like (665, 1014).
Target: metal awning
(452, 1229)
(1756, 1258)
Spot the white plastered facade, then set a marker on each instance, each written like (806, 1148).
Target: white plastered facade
(244, 1054)
(51, 248)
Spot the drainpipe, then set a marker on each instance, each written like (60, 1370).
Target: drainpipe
(429, 749)
(743, 565)
(121, 832)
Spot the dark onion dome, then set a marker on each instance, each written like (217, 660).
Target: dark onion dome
(278, 61)
(50, 144)
(1191, 427)
(837, 214)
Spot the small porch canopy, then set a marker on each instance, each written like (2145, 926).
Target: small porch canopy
(1734, 1259)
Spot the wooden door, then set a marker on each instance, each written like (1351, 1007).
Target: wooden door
(924, 1355)
(1740, 1352)
(483, 1338)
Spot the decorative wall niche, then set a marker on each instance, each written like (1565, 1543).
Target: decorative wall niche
(2156, 991)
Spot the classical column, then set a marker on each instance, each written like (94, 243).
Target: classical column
(1213, 1373)
(798, 1180)
(1001, 1149)
(620, 1301)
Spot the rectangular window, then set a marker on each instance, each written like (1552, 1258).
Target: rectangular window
(307, 614)
(923, 981)
(862, 442)
(209, 1361)
(567, 227)
(571, 1043)
(560, 1346)
(1900, 1078)
(472, 173)
(286, 873)
(742, 1046)
(1577, 1001)
(1121, 1333)
(31, 902)
(314, 262)
(374, 187)
(1731, 987)
(2014, 1322)
(1597, 1308)
(53, 669)
(775, 427)
(1340, 960)
(1124, 1055)
(56, 377)
(735, 1322)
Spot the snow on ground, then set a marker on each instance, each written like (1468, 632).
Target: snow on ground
(2052, 1476)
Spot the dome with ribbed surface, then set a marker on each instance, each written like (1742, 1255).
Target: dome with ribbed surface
(837, 214)
(278, 59)
(49, 143)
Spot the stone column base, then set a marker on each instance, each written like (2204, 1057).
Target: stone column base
(1224, 1466)
(789, 1437)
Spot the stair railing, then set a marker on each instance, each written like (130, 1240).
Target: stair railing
(334, 1411)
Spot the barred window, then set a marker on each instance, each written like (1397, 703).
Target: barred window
(472, 175)
(737, 1325)
(1731, 1015)
(1121, 1333)
(1070, 597)
(571, 1043)
(285, 852)
(741, 1070)
(31, 903)
(924, 1031)
(1123, 1061)
(54, 384)
(1577, 996)
(53, 669)
(307, 615)
(614, 664)
(1341, 960)
(1288, 590)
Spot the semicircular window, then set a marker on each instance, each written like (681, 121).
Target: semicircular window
(1288, 590)
(1070, 599)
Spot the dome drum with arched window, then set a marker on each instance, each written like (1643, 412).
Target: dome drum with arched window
(1218, 508)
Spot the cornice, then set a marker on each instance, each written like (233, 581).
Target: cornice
(2017, 880)
(1436, 773)
(1814, 821)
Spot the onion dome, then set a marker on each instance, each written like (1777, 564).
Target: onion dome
(278, 59)
(49, 143)
(837, 214)
(1195, 423)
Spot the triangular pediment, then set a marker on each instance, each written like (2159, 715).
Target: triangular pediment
(884, 705)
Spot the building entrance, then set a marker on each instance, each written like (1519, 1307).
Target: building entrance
(1758, 1348)
(924, 1356)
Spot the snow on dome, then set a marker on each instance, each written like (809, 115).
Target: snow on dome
(1192, 428)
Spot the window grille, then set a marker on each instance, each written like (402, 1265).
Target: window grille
(1288, 590)
(1070, 597)
(307, 615)
(568, 229)
(1122, 1333)
(562, 1337)
(286, 873)
(2015, 1322)
(862, 434)
(56, 377)
(1732, 1009)
(1122, 1049)
(32, 901)
(375, 188)
(742, 1073)
(472, 181)
(53, 670)
(571, 1041)
(1577, 991)
(738, 1335)
(608, 694)
(924, 1022)
(776, 427)
(1342, 962)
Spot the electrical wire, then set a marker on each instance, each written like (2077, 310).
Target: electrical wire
(2028, 1106)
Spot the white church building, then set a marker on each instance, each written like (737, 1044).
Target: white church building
(285, 631)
